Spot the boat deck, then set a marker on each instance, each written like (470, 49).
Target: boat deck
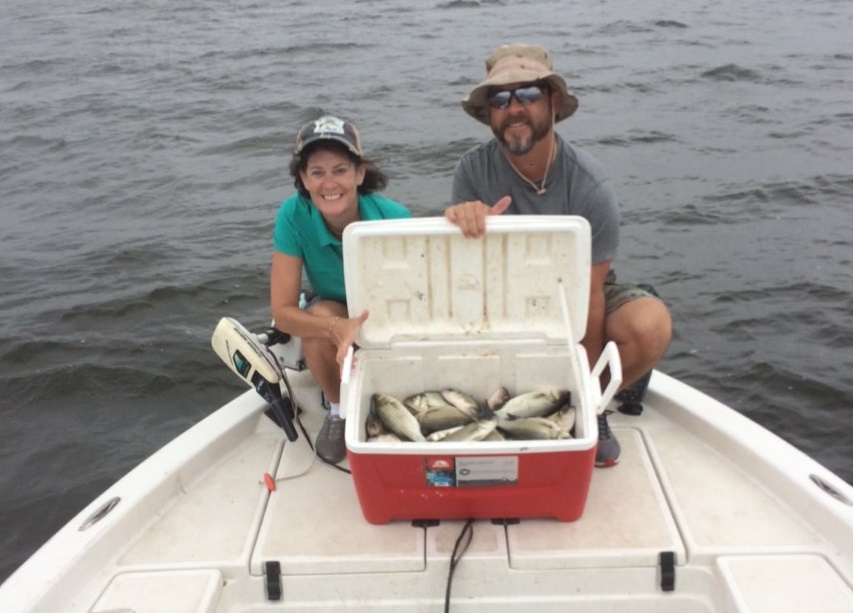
(200, 540)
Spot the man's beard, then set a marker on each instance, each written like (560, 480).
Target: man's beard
(522, 145)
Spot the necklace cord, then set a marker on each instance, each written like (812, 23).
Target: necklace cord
(540, 189)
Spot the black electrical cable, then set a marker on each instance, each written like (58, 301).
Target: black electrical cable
(282, 371)
(459, 549)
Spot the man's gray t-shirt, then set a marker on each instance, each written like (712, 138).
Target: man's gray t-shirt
(576, 185)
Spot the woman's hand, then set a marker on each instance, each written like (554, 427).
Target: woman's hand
(342, 333)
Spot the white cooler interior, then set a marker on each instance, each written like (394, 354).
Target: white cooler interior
(474, 368)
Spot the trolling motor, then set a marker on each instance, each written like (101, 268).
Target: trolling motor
(250, 360)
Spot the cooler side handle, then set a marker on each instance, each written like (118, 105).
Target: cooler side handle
(610, 356)
(346, 370)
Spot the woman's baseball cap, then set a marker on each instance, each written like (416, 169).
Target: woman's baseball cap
(329, 127)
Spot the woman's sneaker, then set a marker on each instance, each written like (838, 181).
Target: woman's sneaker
(608, 450)
(330, 443)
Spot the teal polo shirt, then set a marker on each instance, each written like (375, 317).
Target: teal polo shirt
(301, 233)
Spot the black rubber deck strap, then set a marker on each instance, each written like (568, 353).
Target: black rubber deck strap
(272, 582)
(667, 570)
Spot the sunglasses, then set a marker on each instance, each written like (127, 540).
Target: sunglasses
(524, 95)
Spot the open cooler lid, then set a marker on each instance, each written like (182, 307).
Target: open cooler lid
(422, 280)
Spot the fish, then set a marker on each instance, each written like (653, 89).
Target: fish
(424, 401)
(434, 419)
(475, 431)
(385, 437)
(532, 428)
(497, 399)
(565, 418)
(396, 417)
(441, 434)
(462, 401)
(495, 435)
(373, 426)
(534, 404)
(454, 416)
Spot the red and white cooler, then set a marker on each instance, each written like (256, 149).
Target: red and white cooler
(508, 310)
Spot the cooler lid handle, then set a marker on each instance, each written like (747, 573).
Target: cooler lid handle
(346, 370)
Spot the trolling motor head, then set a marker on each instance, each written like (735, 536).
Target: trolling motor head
(250, 360)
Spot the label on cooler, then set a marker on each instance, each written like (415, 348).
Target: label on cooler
(468, 471)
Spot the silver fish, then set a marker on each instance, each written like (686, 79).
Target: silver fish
(442, 434)
(462, 401)
(396, 417)
(565, 419)
(534, 404)
(532, 428)
(495, 435)
(441, 418)
(497, 399)
(424, 401)
(475, 431)
(373, 426)
(385, 437)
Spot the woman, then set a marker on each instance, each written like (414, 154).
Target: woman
(335, 186)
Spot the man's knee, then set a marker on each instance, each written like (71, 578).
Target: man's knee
(645, 323)
(658, 322)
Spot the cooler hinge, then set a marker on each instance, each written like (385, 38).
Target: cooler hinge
(666, 561)
(272, 580)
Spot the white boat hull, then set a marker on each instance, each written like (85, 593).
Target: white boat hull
(195, 525)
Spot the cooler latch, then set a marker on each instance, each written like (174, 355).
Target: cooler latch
(666, 561)
(272, 580)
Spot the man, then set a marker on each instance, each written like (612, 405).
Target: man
(527, 168)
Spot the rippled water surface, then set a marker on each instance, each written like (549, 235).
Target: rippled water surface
(143, 155)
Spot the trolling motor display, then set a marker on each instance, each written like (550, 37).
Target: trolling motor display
(250, 360)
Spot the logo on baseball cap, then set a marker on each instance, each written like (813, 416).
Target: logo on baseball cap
(329, 127)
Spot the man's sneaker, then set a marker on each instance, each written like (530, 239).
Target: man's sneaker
(607, 452)
(330, 443)
(631, 398)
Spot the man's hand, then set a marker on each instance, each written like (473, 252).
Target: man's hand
(471, 216)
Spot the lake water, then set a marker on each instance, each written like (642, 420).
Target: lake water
(143, 156)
